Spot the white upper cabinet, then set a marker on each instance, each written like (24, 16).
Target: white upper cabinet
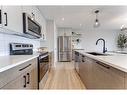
(37, 14)
(12, 18)
(44, 31)
(28, 9)
(43, 23)
(41, 20)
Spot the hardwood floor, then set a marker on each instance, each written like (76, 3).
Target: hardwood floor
(64, 77)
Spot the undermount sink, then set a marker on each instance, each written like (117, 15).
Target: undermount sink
(98, 54)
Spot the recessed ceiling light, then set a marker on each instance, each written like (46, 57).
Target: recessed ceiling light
(80, 24)
(63, 19)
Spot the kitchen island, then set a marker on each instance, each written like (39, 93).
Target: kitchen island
(103, 71)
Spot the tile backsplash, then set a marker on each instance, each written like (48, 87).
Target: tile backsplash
(5, 39)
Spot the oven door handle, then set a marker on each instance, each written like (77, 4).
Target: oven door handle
(41, 57)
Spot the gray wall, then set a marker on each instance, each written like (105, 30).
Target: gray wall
(91, 35)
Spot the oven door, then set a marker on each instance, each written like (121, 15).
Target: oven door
(43, 66)
(42, 70)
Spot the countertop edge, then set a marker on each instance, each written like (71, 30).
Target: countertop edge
(14, 65)
(105, 62)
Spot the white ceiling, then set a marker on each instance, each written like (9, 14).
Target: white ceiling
(76, 15)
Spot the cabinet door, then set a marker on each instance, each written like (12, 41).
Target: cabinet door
(26, 79)
(88, 72)
(28, 9)
(44, 30)
(29, 80)
(98, 76)
(32, 80)
(82, 69)
(32, 11)
(77, 61)
(18, 83)
(42, 22)
(32, 76)
(125, 80)
(37, 14)
(85, 71)
(12, 18)
(107, 77)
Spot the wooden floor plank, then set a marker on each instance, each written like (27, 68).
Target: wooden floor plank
(64, 77)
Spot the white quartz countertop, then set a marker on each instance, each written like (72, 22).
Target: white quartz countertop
(116, 60)
(10, 61)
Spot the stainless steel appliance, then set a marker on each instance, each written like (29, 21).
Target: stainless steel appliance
(64, 48)
(77, 61)
(43, 66)
(31, 27)
(21, 49)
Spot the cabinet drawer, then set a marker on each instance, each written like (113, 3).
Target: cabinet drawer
(107, 77)
(11, 74)
(109, 69)
(17, 83)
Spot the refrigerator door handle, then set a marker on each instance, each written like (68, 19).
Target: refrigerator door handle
(63, 43)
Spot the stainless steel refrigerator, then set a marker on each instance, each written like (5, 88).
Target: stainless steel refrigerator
(64, 48)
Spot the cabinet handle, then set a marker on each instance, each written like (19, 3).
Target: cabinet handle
(83, 58)
(43, 36)
(24, 67)
(24, 81)
(0, 18)
(28, 74)
(6, 19)
(103, 65)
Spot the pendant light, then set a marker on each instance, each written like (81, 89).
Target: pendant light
(33, 16)
(96, 23)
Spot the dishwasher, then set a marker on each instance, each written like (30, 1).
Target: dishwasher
(77, 61)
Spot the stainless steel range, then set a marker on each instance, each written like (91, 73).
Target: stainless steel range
(43, 67)
(21, 49)
(43, 60)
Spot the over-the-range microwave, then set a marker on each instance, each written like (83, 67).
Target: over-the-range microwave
(31, 27)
